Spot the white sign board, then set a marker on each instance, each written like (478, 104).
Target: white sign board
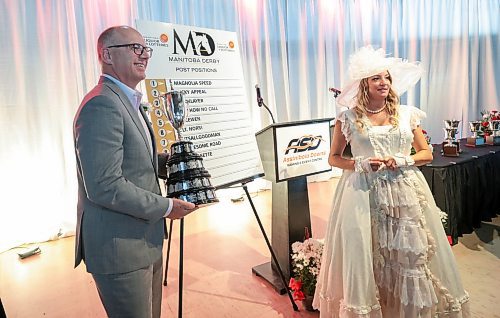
(205, 65)
(302, 150)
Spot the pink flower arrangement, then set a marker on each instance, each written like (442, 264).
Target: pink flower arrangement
(487, 117)
(306, 262)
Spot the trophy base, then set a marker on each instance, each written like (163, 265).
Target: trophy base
(493, 140)
(199, 197)
(475, 142)
(451, 149)
(188, 179)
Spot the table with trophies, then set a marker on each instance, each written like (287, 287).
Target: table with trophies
(463, 177)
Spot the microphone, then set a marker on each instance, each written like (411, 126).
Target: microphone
(260, 102)
(335, 91)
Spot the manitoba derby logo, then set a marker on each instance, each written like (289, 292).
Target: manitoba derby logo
(201, 44)
(304, 143)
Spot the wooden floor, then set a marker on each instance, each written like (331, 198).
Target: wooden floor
(222, 244)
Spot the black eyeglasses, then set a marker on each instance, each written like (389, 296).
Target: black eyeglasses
(138, 48)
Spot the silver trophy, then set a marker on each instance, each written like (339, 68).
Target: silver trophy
(494, 138)
(475, 140)
(451, 146)
(176, 109)
(187, 178)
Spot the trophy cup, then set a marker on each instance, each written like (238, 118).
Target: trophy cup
(494, 138)
(451, 146)
(187, 178)
(475, 140)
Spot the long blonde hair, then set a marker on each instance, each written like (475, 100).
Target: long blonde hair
(362, 101)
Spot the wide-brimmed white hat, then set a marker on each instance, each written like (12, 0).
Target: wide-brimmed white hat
(367, 62)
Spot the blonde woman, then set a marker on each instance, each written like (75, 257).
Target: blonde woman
(386, 253)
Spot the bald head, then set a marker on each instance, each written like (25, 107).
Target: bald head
(122, 54)
(112, 36)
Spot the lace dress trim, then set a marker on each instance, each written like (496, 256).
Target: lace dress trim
(403, 246)
(346, 125)
(358, 310)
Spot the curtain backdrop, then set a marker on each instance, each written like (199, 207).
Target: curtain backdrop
(295, 50)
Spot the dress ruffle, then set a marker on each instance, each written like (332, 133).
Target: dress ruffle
(416, 115)
(346, 127)
(402, 245)
(402, 249)
(386, 253)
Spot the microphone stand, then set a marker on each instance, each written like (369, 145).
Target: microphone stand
(261, 103)
(335, 91)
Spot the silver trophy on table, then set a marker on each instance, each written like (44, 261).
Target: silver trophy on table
(187, 178)
(494, 138)
(475, 140)
(451, 146)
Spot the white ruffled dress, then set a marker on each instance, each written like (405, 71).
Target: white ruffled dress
(386, 253)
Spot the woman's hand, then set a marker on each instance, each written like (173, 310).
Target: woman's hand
(368, 164)
(397, 161)
(390, 163)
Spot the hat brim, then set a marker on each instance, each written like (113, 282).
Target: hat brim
(404, 76)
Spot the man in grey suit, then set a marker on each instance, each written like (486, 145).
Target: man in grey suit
(120, 225)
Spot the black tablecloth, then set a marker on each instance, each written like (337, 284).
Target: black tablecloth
(466, 187)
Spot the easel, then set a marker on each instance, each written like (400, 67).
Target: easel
(181, 261)
(181, 251)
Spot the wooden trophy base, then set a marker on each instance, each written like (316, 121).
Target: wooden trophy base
(475, 142)
(451, 149)
(493, 140)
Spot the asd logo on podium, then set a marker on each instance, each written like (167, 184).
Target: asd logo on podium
(304, 143)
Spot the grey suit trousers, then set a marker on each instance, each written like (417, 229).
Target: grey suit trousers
(131, 294)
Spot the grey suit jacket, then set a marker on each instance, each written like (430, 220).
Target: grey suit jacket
(120, 225)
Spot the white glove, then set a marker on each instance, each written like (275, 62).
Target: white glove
(403, 161)
(362, 164)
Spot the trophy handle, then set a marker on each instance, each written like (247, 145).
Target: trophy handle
(176, 111)
(166, 99)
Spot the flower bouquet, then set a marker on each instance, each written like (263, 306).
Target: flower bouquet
(486, 117)
(147, 107)
(306, 262)
(490, 126)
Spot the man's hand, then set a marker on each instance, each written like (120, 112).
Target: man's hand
(181, 209)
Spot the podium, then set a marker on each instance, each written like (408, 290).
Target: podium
(289, 153)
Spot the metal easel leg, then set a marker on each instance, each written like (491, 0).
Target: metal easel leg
(273, 255)
(181, 267)
(181, 262)
(168, 252)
